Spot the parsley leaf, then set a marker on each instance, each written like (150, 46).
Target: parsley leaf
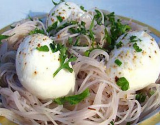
(133, 39)
(141, 97)
(107, 37)
(118, 45)
(4, 37)
(29, 17)
(91, 34)
(112, 123)
(63, 56)
(87, 53)
(74, 99)
(98, 17)
(118, 62)
(60, 18)
(52, 27)
(123, 83)
(70, 41)
(43, 48)
(136, 47)
(82, 8)
(128, 123)
(36, 30)
(57, 3)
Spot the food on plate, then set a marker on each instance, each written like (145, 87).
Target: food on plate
(35, 66)
(78, 66)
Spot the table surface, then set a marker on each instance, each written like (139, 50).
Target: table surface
(146, 11)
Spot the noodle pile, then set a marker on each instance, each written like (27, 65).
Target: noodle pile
(107, 103)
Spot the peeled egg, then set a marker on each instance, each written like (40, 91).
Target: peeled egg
(35, 69)
(64, 10)
(141, 67)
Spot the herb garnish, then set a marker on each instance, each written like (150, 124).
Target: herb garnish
(70, 41)
(52, 27)
(63, 56)
(74, 99)
(107, 37)
(133, 39)
(118, 45)
(141, 97)
(4, 37)
(128, 123)
(118, 62)
(98, 17)
(87, 53)
(57, 3)
(112, 123)
(91, 34)
(123, 83)
(43, 48)
(136, 47)
(36, 30)
(29, 17)
(60, 18)
(82, 8)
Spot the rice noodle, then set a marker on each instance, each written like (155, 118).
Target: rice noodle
(106, 103)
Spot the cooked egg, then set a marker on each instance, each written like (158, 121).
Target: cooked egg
(140, 64)
(65, 11)
(35, 69)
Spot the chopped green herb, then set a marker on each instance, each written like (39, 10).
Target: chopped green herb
(57, 3)
(43, 48)
(118, 45)
(128, 123)
(53, 13)
(107, 37)
(4, 37)
(151, 92)
(125, 35)
(136, 47)
(82, 8)
(112, 123)
(91, 34)
(74, 99)
(123, 83)
(118, 62)
(69, 7)
(29, 17)
(63, 56)
(36, 30)
(141, 97)
(60, 18)
(98, 17)
(77, 42)
(52, 27)
(70, 41)
(133, 39)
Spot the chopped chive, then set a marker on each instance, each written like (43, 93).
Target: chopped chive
(118, 62)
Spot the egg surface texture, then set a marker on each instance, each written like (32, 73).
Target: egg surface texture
(63, 12)
(35, 69)
(139, 55)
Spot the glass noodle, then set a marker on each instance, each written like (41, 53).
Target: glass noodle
(107, 103)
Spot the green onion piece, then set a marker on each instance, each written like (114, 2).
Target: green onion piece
(43, 48)
(60, 18)
(118, 62)
(4, 37)
(133, 39)
(74, 99)
(52, 27)
(82, 8)
(136, 47)
(123, 83)
(141, 97)
(118, 45)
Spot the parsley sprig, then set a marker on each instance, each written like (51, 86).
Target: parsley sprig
(36, 30)
(141, 97)
(57, 3)
(74, 99)
(123, 83)
(4, 37)
(64, 64)
(43, 48)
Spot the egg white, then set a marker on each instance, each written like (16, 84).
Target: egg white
(35, 69)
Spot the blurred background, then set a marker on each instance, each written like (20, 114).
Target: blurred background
(146, 11)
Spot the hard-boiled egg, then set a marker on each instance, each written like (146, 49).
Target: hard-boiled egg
(35, 69)
(64, 11)
(139, 56)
